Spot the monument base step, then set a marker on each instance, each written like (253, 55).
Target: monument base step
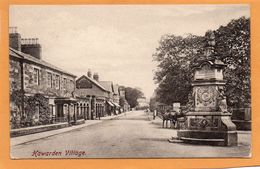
(217, 138)
(206, 140)
(175, 140)
(219, 142)
(214, 142)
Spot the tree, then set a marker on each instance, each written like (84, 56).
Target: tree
(233, 48)
(177, 55)
(131, 95)
(152, 104)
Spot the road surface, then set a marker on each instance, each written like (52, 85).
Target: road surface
(132, 136)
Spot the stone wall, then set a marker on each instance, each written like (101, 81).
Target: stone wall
(54, 89)
(14, 75)
(14, 81)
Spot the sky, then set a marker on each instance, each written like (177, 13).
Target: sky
(116, 41)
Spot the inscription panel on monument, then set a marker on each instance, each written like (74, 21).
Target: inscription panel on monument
(202, 122)
(205, 98)
(206, 72)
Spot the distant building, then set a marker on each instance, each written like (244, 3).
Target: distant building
(113, 97)
(124, 104)
(31, 76)
(116, 93)
(116, 97)
(142, 103)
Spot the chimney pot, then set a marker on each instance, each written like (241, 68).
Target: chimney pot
(95, 76)
(14, 39)
(89, 73)
(29, 46)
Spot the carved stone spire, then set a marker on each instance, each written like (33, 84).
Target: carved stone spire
(210, 44)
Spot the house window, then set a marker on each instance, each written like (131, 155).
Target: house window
(49, 79)
(36, 74)
(57, 83)
(51, 109)
(64, 83)
(72, 83)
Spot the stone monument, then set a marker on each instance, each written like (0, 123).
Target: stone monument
(209, 121)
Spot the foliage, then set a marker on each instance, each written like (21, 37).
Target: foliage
(31, 104)
(152, 104)
(16, 97)
(176, 56)
(233, 48)
(131, 95)
(38, 101)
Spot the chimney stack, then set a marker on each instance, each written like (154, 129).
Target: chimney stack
(89, 73)
(96, 76)
(32, 47)
(14, 39)
(122, 93)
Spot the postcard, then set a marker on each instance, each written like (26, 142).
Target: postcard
(129, 81)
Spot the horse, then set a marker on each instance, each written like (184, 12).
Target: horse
(172, 117)
(168, 116)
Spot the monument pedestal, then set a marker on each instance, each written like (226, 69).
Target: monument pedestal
(209, 122)
(214, 128)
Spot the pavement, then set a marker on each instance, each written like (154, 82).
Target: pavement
(134, 135)
(32, 137)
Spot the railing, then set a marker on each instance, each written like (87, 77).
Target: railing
(61, 119)
(241, 113)
(80, 116)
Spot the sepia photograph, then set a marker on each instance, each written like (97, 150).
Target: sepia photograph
(129, 81)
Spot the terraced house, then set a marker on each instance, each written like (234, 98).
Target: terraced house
(113, 97)
(100, 97)
(40, 93)
(91, 95)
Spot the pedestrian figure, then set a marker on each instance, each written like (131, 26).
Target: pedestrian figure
(154, 114)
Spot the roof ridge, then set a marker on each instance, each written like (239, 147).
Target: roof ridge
(106, 81)
(38, 61)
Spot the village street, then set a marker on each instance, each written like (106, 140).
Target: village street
(134, 135)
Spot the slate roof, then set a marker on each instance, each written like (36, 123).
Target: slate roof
(94, 82)
(21, 55)
(108, 85)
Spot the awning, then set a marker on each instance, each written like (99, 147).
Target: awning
(111, 104)
(117, 105)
